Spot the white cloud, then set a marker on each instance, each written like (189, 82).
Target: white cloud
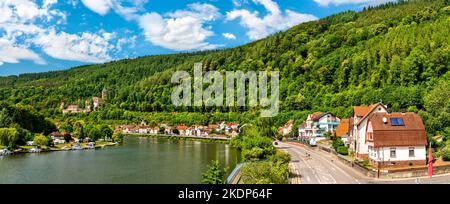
(24, 25)
(229, 36)
(102, 7)
(275, 20)
(182, 29)
(10, 53)
(340, 2)
(86, 47)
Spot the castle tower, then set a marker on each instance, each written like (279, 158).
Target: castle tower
(104, 94)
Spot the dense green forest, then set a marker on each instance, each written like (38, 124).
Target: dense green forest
(397, 53)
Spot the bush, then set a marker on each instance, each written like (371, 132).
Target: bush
(280, 156)
(214, 175)
(337, 143)
(266, 172)
(446, 154)
(41, 140)
(117, 137)
(342, 150)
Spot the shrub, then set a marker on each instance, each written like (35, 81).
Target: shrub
(214, 175)
(280, 156)
(342, 150)
(266, 172)
(117, 137)
(337, 143)
(41, 140)
(446, 154)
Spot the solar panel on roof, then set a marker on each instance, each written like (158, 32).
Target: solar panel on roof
(400, 122)
(397, 122)
(394, 122)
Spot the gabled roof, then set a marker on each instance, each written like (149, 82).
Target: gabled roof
(343, 128)
(412, 133)
(316, 115)
(371, 109)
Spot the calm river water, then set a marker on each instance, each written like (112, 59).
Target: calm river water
(138, 160)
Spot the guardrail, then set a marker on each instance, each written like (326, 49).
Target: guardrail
(234, 176)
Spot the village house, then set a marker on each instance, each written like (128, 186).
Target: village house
(154, 130)
(361, 115)
(60, 138)
(182, 130)
(231, 129)
(316, 125)
(342, 130)
(396, 139)
(286, 129)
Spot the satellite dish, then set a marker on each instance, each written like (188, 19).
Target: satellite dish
(384, 120)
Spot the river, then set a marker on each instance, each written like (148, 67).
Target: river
(136, 161)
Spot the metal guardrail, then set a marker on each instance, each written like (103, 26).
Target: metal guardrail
(234, 173)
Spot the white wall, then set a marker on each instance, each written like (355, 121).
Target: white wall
(402, 154)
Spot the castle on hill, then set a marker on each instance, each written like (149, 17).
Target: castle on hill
(96, 104)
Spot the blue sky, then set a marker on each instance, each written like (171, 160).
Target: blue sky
(45, 35)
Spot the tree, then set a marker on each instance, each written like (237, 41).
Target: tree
(42, 140)
(105, 131)
(5, 118)
(117, 137)
(214, 175)
(9, 137)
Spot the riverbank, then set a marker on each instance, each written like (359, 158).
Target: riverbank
(61, 147)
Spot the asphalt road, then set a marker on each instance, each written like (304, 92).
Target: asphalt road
(321, 168)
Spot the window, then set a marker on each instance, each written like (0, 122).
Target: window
(411, 152)
(397, 122)
(393, 153)
(370, 136)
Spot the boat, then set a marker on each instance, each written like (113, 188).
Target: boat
(90, 145)
(77, 147)
(35, 150)
(4, 152)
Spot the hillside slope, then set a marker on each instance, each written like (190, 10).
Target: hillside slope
(396, 53)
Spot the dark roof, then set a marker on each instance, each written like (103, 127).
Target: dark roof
(386, 134)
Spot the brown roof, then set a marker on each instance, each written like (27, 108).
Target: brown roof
(372, 107)
(213, 126)
(361, 111)
(316, 115)
(343, 128)
(386, 134)
(58, 134)
(182, 127)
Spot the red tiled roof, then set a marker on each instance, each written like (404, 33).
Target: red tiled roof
(58, 134)
(385, 134)
(182, 127)
(316, 115)
(361, 111)
(343, 128)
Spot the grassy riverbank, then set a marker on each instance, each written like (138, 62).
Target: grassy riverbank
(62, 147)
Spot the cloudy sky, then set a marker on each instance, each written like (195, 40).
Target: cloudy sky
(43, 35)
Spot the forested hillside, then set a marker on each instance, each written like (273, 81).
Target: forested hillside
(397, 53)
